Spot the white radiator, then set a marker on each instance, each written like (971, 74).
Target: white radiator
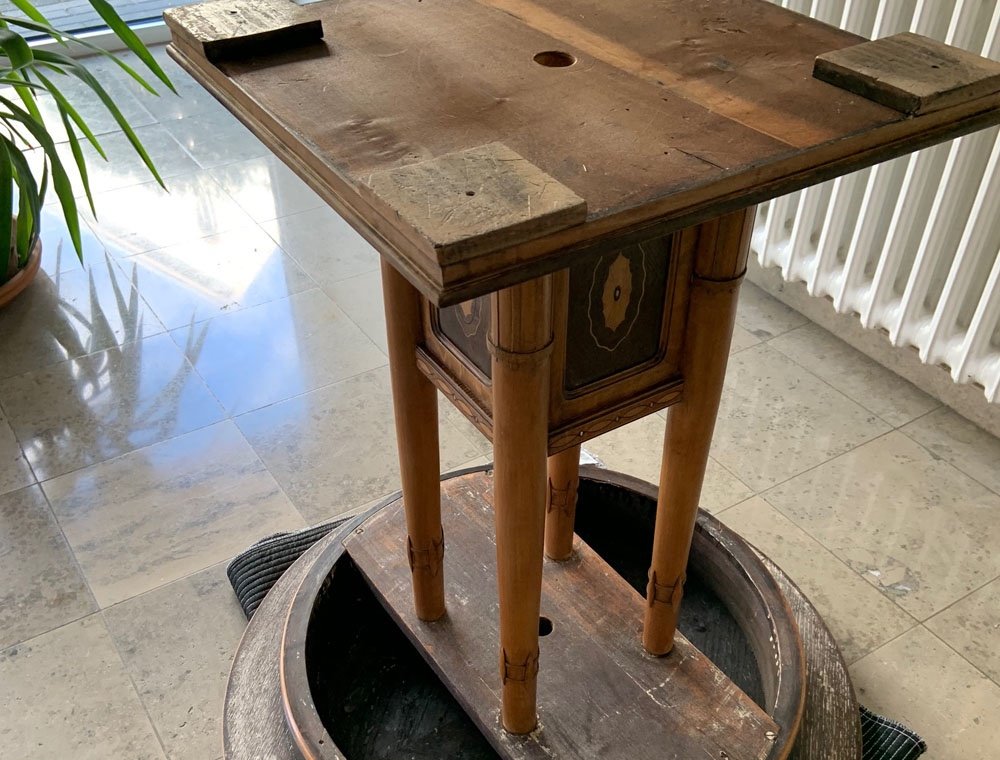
(911, 246)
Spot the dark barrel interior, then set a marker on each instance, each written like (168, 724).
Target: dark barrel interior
(379, 700)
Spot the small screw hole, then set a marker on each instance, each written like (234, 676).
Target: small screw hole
(555, 59)
(544, 626)
(470, 193)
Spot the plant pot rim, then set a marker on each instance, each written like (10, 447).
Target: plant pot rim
(25, 276)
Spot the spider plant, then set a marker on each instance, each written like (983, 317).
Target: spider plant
(27, 75)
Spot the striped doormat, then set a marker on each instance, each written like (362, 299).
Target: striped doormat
(256, 570)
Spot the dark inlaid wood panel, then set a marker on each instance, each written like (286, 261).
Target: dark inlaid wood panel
(467, 327)
(616, 308)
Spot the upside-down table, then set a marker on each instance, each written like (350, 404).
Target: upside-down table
(562, 193)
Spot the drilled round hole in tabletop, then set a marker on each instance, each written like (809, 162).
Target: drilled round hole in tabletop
(556, 59)
(544, 626)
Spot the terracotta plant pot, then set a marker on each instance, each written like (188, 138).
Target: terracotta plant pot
(10, 289)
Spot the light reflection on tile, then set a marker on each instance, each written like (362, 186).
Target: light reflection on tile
(163, 512)
(335, 449)
(96, 407)
(146, 217)
(915, 527)
(72, 314)
(14, 470)
(42, 588)
(777, 419)
(218, 274)
(361, 299)
(266, 189)
(860, 618)
(214, 141)
(58, 253)
(324, 245)
(918, 680)
(66, 694)
(181, 669)
(191, 97)
(637, 449)
(268, 353)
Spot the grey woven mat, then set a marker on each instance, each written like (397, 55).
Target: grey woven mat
(255, 571)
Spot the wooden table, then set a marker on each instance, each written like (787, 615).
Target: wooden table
(562, 192)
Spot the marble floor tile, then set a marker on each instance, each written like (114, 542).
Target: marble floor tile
(855, 375)
(915, 527)
(971, 627)
(266, 189)
(146, 217)
(918, 680)
(214, 139)
(66, 694)
(948, 435)
(15, 472)
(42, 587)
(324, 245)
(278, 350)
(860, 618)
(191, 97)
(102, 405)
(123, 167)
(58, 253)
(778, 419)
(335, 448)
(361, 299)
(637, 448)
(180, 670)
(763, 315)
(742, 338)
(163, 512)
(217, 274)
(69, 315)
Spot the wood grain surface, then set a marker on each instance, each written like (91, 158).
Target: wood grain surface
(671, 113)
(231, 28)
(599, 695)
(911, 73)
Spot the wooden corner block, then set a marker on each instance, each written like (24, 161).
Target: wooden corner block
(475, 201)
(910, 73)
(227, 29)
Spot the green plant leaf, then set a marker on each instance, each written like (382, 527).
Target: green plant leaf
(6, 211)
(30, 199)
(62, 37)
(126, 35)
(16, 49)
(84, 74)
(66, 107)
(29, 10)
(60, 180)
(78, 158)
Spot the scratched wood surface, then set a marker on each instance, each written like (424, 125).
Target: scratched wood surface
(671, 113)
(910, 73)
(599, 694)
(227, 28)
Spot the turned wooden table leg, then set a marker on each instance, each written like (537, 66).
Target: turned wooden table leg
(521, 343)
(720, 263)
(415, 403)
(560, 510)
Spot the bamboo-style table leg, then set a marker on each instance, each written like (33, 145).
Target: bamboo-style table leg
(521, 343)
(560, 511)
(415, 404)
(720, 263)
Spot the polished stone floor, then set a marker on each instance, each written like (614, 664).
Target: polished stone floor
(215, 371)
